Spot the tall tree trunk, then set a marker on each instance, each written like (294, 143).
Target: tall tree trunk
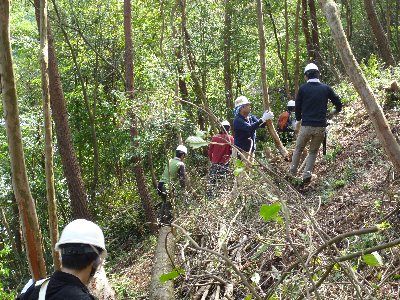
(379, 33)
(286, 51)
(281, 57)
(138, 168)
(72, 172)
(26, 204)
(270, 126)
(349, 18)
(354, 71)
(314, 30)
(397, 28)
(91, 109)
(306, 30)
(296, 41)
(227, 58)
(48, 135)
(16, 226)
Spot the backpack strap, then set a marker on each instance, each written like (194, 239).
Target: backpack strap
(43, 289)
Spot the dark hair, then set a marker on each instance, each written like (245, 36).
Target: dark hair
(311, 74)
(290, 108)
(78, 256)
(226, 128)
(179, 153)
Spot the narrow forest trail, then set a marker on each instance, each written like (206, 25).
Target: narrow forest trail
(354, 188)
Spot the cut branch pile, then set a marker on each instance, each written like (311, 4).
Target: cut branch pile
(228, 251)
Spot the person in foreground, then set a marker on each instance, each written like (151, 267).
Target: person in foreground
(82, 250)
(311, 115)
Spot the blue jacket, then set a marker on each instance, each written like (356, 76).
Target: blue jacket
(312, 103)
(245, 132)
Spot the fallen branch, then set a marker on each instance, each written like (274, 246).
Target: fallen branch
(227, 261)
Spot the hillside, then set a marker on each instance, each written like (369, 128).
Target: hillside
(355, 188)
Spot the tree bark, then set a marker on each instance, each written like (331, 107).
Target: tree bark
(48, 134)
(138, 168)
(162, 264)
(349, 19)
(72, 172)
(26, 204)
(296, 41)
(282, 57)
(379, 33)
(306, 30)
(91, 111)
(354, 71)
(314, 31)
(227, 58)
(270, 126)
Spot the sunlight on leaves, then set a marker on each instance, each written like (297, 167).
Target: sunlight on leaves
(239, 167)
(373, 259)
(171, 275)
(196, 142)
(270, 212)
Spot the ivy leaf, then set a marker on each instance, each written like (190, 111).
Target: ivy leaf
(373, 259)
(270, 212)
(171, 275)
(196, 142)
(200, 133)
(248, 297)
(239, 167)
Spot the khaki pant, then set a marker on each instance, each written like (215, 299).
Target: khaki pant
(314, 136)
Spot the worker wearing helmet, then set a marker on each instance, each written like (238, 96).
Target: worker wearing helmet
(311, 110)
(82, 250)
(286, 123)
(174, 172)
(245, 126)
(219, 153)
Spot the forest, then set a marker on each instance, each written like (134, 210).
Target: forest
(97, 95)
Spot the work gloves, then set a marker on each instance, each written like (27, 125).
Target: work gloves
(267, 115)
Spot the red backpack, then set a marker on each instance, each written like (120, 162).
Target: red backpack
(283, 121)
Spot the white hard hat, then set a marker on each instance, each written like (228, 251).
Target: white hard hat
(291, 103)
(241, 100)
(182, 149)
(81, 231)
(225, 123)
(309, 67)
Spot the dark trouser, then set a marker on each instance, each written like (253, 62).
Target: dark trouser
(217, 174)
(166, 206)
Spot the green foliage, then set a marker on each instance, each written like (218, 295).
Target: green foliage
(239, 167)
(332, 153)
(175, 273)
(196, 142)
(373, 259)
(270, 212)
(5, 274)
